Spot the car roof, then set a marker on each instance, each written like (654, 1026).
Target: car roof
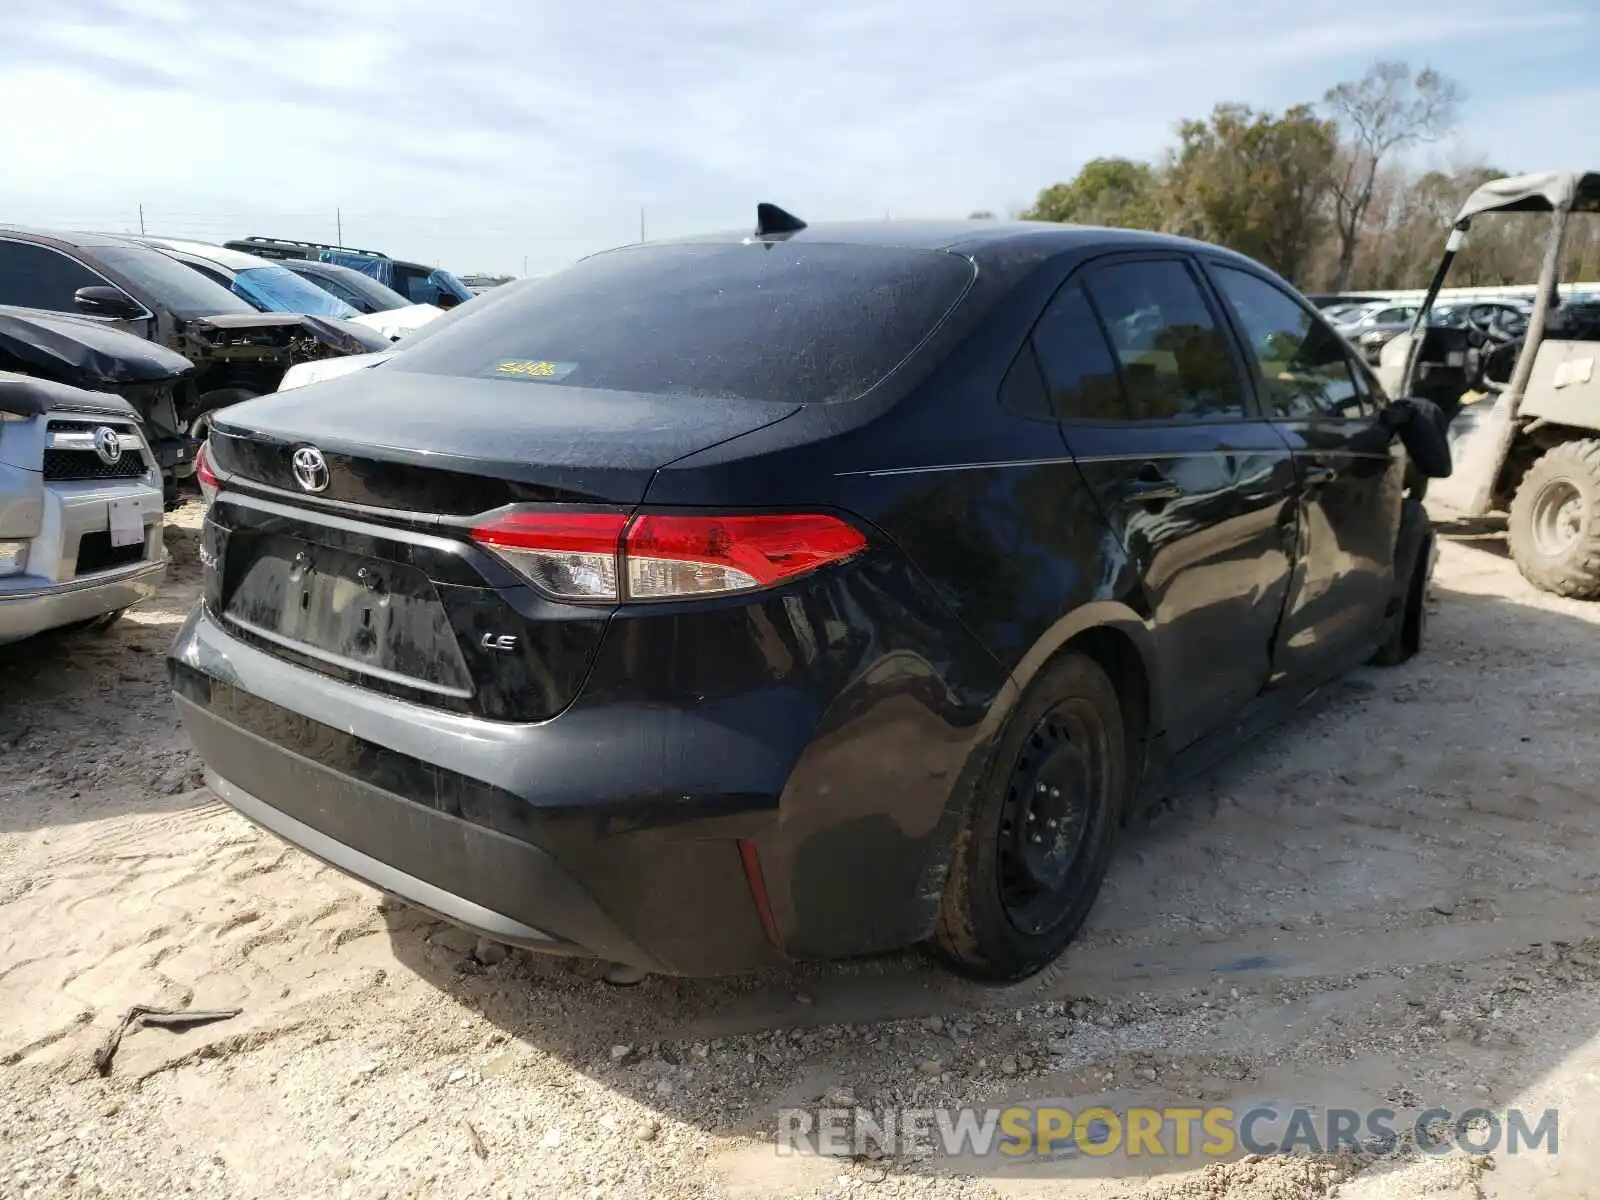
(954, 235)
(1011, 247)
(313, 266)
(233, 260)
(89, 240)
(74, 237)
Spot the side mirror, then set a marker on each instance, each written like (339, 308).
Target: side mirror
(1422, 429)
(103, 301)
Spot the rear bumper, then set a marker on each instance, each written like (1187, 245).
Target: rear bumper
(826, 758)
(523, 833)
(524, 878)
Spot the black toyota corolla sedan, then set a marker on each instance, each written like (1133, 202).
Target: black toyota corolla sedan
(805, 592)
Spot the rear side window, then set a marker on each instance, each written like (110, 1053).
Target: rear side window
(798, 322)
(38, 277)
(1303, 363)
(415, 285)
(1078, 366)
(334, 287)
(1174, 358)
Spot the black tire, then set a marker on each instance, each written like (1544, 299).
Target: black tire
(1406, 638)
(1066, 733)
(210, 402)
(1555, 521)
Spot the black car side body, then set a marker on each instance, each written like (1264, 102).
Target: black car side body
(705, 785)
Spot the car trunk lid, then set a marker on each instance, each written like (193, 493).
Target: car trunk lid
(382, 587)
(455, 447)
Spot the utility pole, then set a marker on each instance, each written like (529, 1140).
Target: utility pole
(338, 225)
(524, 266)
(141, 220)
(641, 222)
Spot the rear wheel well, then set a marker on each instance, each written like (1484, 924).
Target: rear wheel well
(1529, 447)
(1118, 656)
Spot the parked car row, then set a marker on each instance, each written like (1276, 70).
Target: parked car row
(239, 320)
(416, 282)
(116, 351)
(1370, 327)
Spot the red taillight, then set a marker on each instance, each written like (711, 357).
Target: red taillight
(601, 556)
(205, 474)
(694, 556)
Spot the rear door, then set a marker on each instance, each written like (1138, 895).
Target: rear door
(1351, 473)
(1153, 402)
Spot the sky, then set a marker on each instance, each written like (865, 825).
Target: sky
(518, 135)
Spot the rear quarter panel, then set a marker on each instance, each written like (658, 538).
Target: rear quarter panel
(1002, 556)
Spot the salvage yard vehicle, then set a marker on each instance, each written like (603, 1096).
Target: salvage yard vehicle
(80, 508)
(418, 282)
(272, 287)
(366, 295)
(331, 368)
(1534, 450)
(796, 593)
(237, 350)
(79, 352)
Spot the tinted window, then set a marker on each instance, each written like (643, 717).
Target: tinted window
(37, 277)
(336, 287)
(415, 285)
(793, 321)
(1078, 366)
(1174, 358)
(354, 288)
(175, 285)
(1303, 363)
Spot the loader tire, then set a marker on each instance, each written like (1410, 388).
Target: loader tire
(1555, 521)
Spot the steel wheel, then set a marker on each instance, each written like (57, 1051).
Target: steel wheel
(1027, 867)
(1557, 518)
(1044, 822)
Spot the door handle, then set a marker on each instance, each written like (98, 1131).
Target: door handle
(1318, 475)
(1150, 486)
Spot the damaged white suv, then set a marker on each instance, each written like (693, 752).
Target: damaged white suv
(80, 508)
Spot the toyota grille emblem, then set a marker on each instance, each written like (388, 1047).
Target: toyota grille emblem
(108, 445)
(310, 469)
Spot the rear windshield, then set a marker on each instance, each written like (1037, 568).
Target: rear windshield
(797, 322)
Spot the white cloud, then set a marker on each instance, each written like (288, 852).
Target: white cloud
(481, 132)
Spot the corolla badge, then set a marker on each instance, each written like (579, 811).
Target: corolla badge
(108, 445)
(310, 469)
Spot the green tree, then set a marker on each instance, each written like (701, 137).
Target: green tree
(1108, 191)
(1254, 181)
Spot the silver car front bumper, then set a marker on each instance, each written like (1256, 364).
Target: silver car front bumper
(64, 582)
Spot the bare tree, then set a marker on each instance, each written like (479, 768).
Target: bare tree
(1385, 111)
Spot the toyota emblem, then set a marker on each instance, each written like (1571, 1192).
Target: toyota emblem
(310, 469)
(108, 445)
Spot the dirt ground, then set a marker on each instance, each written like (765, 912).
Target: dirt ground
(1389, 900)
